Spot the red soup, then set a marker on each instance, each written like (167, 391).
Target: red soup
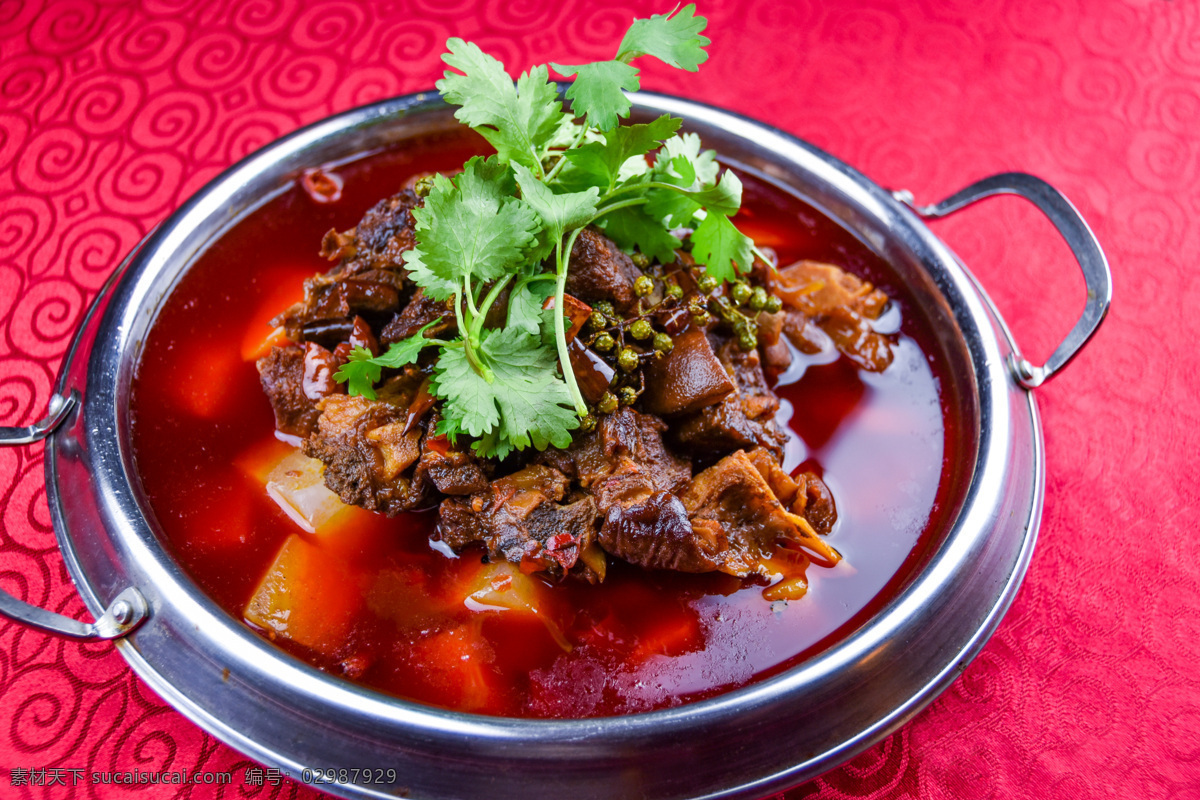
(384, 606)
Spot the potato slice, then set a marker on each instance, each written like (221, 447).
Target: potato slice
(501, 586)
(297, 485)
(307, 597)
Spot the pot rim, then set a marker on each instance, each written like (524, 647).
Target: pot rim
(241, 649)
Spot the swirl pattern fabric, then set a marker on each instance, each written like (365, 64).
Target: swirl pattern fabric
(112, 114)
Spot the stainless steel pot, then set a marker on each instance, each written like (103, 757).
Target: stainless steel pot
(750, 742)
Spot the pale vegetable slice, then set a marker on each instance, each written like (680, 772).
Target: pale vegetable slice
(297, 485)
(306, 596)
(501, 586)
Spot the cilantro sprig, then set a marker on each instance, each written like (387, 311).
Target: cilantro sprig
(508, 224)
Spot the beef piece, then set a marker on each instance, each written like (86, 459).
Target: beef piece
(806, 494)
(839, 304)
(804, 333)
(281, 373)
(370, 277)
(522, 518)
(776, 357)
(419, 312)
(657, 534)
(730, 519)
(687, 379)
(601, 271)
(453, 472)
(819, 508)
(732, 499)
(385, 232)
(337, 297)
(368, 454)
(715, 431)
(624, 435)
(818, 288)
(743, 420)
(854, 337)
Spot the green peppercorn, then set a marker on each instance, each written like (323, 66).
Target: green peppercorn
(628, 359)
(663, 343)
(696, 307)
(641, 329)
(604, 307)
(587, 423)
(604, 343)
(629, 395)
(643, 286)
(424, 186)
(774, 305)
(702, 319)
(596, 321)
(608, 403)
(707, 284)
(724, 309)
(640, 259)
(741, 293)
(747, 339)
(758, 298)
(674, 291)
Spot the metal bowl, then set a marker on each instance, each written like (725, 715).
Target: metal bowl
(750, 742)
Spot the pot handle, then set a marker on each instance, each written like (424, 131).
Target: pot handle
(1079, 237)
(127, 611)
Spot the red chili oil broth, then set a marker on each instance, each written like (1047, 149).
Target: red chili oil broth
(641, 640)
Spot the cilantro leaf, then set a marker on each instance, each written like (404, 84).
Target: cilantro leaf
(597, 92)
(678, 207)
(674, 40)
(406, 351)
(519, 121)
(363, 370)
(526, 405)
(721, 247)
(435, 285)
(631, 227)
(525, 311)
(468, 229)
(602, 161)
(360, 373)
(686, 147)
(559, 212)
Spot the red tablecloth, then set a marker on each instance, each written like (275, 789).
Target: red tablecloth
(111, 115)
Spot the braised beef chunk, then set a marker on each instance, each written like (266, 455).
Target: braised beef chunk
(828, 304)
(601, 271)
(743, 420)
(368, 454)
(369, 279)
(625, 435)
(656, 533)
(419, 312)
(688, 379)
(716, 430)
(523, 518)
(281, 374)
(453, 472)
(733, 495)
(385, 232)
(819, 508)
